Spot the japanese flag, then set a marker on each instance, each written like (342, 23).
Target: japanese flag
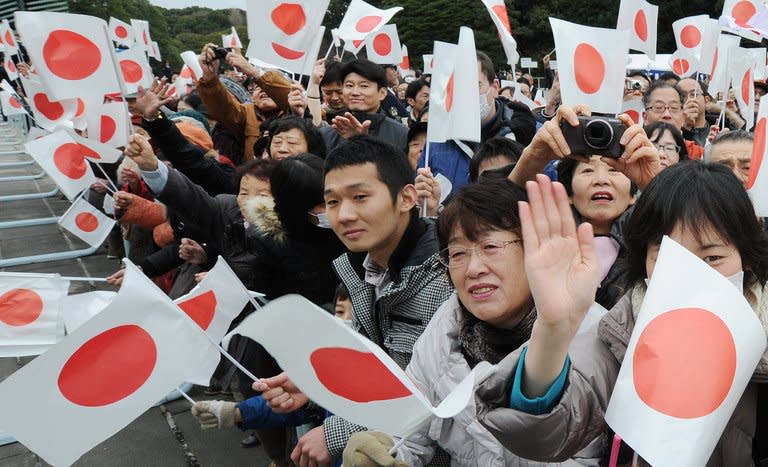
(405, 63)
(757, 183)
(154, 51)
(354, 46)
(719, 80)
(758, 57)
(231, 40)
(72, 53)
(64, 161)
(121, 32)
(309, 63)
(453, 97)
(77, 309)
(759, 21)
(383, 46)
(681, 64)
(362, 19)
(741, 70)
(104, 375)
(192, 68)
(591, 64)
(345, 372)
(736, 18)
(694, 348)
(49, 113)
(282, 33)
(95, 151)
(498, 11)
(640, 18)
(518, 96)
(110, 125)
(141, 33)
(635, 109)
(30, 306)
(10, 68)
(429, 61)
(696, 38)
(134, 70)
(11, 104)
(8, 38)
(86, 222)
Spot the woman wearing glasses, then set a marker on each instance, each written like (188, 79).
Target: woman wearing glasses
(669, 141)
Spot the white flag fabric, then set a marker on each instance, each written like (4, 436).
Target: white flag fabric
(10, 104)
(741, 66)
(231, 40)
(141, 33)
(154, 51)
(104, 375)
(9, 39)
(428, 61)
(384, 47)
(282, 33)
(312, 54)
(30, 312)
(86, 222)
(640, 18)
(696, 38)
(635, 109)
(110, 125)
(454, 92)
(736, 16)
(72, 54)
(121, 32)
(757, 183)
(345, 372)
(694, 348)
(192, 65)
(64, 161)
(134, 70)
(95, 151)
(50, 113)
(719, 76)
(405, 63)
(591, 64)
(758, 57)
(77, 309)
(498, 11)
(354, 46)
(362, 19)
(10, 68)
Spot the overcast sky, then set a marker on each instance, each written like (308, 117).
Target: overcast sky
(218, 4)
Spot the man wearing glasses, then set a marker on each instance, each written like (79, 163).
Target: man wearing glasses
(664, 102)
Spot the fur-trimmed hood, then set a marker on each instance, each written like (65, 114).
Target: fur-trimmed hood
(259, 212)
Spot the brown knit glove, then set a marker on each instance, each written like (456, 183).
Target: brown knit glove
(370, 449)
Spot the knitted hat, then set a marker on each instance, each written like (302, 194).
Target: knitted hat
(195, 133)
(192, 115)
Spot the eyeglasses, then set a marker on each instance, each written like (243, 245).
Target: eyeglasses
(660, 108)
(458, 256)
(667, 148)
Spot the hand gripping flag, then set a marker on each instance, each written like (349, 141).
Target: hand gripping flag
(498, 11)
(72, 54)
(30, 312)
(104, 375)
(64, 161)
(757, 183)
(231, 40)
(345, 372)
(282, 33)
(362, 19)
(121, 32)
(640, 18)
(383, 46)
(693, 350)
(86, 222)
(591, 64)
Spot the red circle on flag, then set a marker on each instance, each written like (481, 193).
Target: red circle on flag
(201, 309)
(108, 128)
(758, 150)
(109, 367)
(88, 152)
(9, 39)
(131, 70)
(11, 66)
(20, 307)
(633, 114)
(186, 72)
(80, 108)
(121, 32)
(71, 56)
(449, 94)
(286, 53)
(684, 363)
(14, 103)
(233, 41)
(743, 12)
(289, 18)
(746, 86)
(339, 370)
(367, 23)
(70, 161)
(86, 222)
(690, 36)
(501, 12)
(589, 68)
(357, 43)
(52, 110)
(641, 25)
(680, 66)
(382, 44)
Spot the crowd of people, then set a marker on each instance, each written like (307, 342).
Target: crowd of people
(491, 251)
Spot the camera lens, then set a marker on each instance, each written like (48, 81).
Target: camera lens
(598, 134)
(636, 85)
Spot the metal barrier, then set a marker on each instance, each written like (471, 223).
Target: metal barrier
(21, 178)
(16, 163)
(28, 222)
(6, 263)
(25, 196)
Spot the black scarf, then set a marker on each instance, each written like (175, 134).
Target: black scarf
(481, 341)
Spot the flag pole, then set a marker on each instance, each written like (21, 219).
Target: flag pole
(106, 176)
(424, 212)
(84, 279)
(185, 396)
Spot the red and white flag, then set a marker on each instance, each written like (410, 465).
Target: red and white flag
(719, 78)
(345, 372)
(362, 19)
(77, 309)
(428, 61)
(64, 161)
(694, 347)
(134, 70)
(312, 54)
(10, 68)
(231, 40)
(30, 306)
(498, 11)
(354, 46)
(72, 53)
(736, 17)
(11, 104)
(640, 18)
(757, 183)
(383, 46)
(453, 108)
(681, 64)
(591, 63)
(635, 109)
(86, 222)
(110, 125)
(121, 32)
(740, 65)
(282, 33)
(50, 113)
(104, 375)
(192, 68)
(95, 151)
(405, 63)
(141, 33)
(8, 38)
(696, 38)
(154, 51)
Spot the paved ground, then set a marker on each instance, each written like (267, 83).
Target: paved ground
(167, 435)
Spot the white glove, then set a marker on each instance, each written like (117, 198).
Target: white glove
(212, 414)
